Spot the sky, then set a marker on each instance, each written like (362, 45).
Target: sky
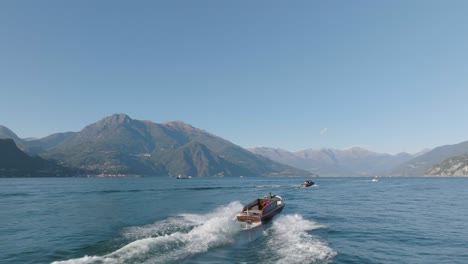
(389, 76)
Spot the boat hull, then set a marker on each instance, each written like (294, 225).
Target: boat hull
(247, 218)
(274, 212)
(254, 212)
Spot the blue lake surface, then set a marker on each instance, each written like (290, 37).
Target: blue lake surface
(164, 220)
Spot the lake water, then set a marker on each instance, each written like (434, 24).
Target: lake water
(164, 220)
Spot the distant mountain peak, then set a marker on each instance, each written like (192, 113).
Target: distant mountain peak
(266, 148)
(176, 122)
(106, 124)
(112, 120)
(118, 119)
(179, 125)
(360, 151)
(5, 132)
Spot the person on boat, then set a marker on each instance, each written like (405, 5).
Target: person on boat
(265, 203)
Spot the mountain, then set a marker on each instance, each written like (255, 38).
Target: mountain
(47, 143)
(16, 163)
(454, 166)
(333, 162)
(5, 132)
(420, 165)
(30, 146)
(118, 144)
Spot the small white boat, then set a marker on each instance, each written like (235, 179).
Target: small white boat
(183, 177)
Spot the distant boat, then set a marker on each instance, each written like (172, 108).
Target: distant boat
(308, 183)
(183, 177)
(375, 179)
(261, 209)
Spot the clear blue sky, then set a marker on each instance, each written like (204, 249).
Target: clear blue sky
(391, 76)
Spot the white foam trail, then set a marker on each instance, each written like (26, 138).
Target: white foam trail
(247, 226)
(161, 228)
(173, 239)
(291, 243)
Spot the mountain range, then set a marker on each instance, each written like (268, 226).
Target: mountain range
(120, 145)
(16, 163)
(453, 166)
(437, 162)
(447, 160)
(355, 161)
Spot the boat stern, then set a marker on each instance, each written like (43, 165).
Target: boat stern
(248, 218)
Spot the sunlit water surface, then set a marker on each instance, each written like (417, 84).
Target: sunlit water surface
(165, 220)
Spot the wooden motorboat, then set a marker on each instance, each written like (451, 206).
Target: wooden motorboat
(261, 209)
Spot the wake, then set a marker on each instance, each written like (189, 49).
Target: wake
(173, 239)
(290, 242)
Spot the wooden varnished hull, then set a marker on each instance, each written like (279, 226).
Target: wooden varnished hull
(254, 212)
